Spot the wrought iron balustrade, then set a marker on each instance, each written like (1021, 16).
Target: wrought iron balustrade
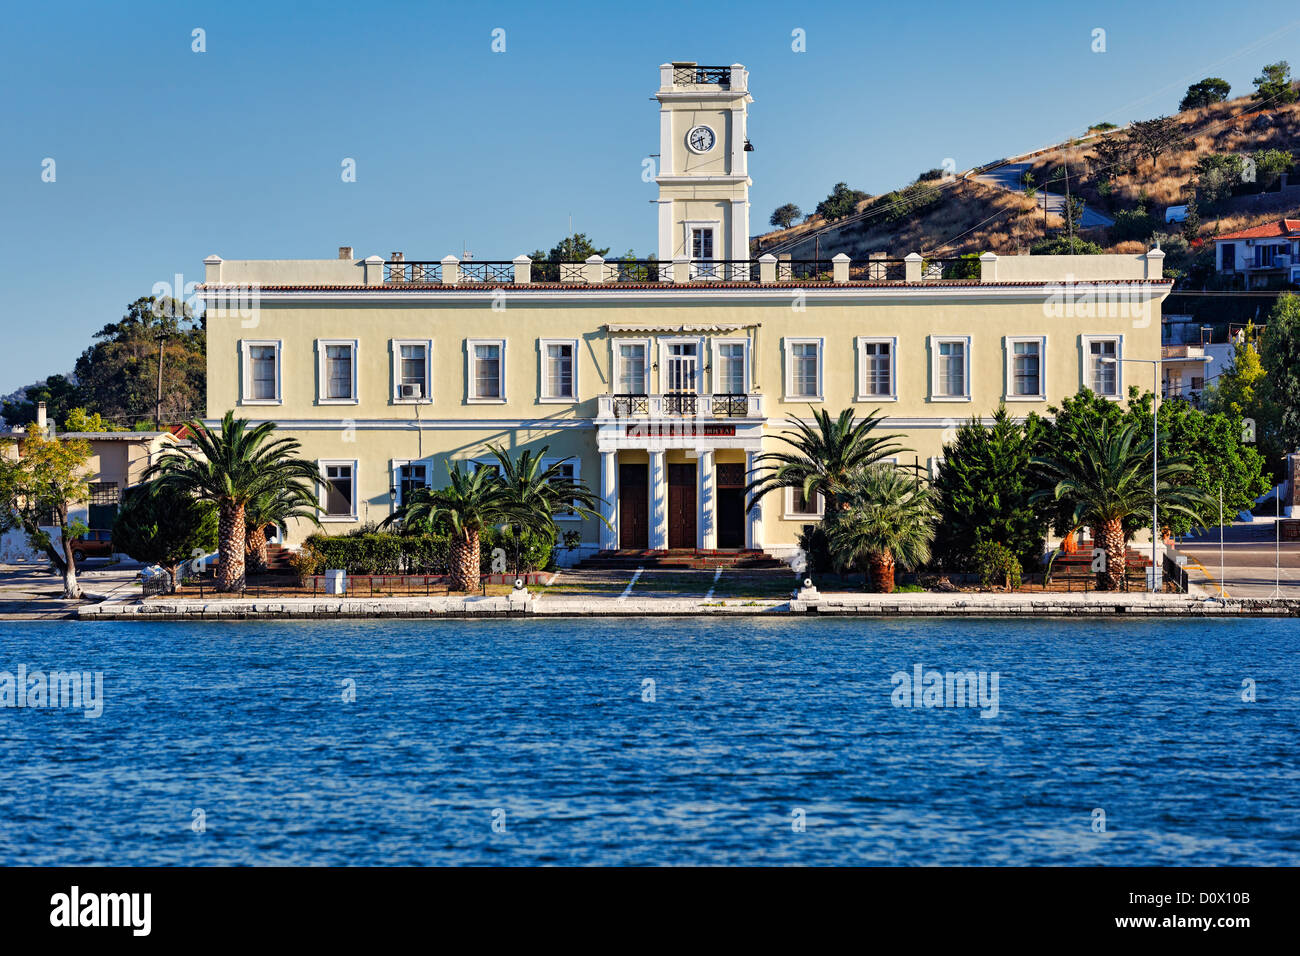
(491, 272)
(724, 270)
(961, 268)
(702, 76)
(681, 403)
(804, 270)
(730, 405)
(878, 270)
(414, 272)
(630, 403)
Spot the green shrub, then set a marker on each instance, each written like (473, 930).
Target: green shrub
(996, 565)
(534, 550)
(1132, 224)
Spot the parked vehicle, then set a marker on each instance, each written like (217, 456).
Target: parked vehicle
(93, 544)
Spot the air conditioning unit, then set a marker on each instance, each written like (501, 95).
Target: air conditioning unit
(410, 391)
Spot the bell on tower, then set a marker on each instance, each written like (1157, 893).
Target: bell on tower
(703, 176)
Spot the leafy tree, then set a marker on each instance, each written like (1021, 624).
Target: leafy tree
(79, 420)
(1104, 480)
(1152, 137)
(1206, 92)
(1280, 353)
(983, 491)
(118, 373)
(59, 393)
(887, 520)
(1273, 85)
(824, 457)
(841, 202)
(1192, 221)
(159, 525)
(996, 565)
(1273, 161)
(1133, 224)
(470, 504)
(786, 216)
(41, 480)
(1072, 213)
(232, 467)
(1238, 391)
(1064, 246)
(1212, 445)
(574, 248)
(542, 491)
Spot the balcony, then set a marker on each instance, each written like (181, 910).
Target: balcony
(678, 405)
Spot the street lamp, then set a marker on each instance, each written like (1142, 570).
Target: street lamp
(1155, 457)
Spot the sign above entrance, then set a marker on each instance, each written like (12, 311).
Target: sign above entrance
(678, 430)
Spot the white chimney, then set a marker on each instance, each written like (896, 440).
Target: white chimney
(40, 415)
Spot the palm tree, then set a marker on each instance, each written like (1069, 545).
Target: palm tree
(1106, 475)
(542, 491)
(470, 503)
(275, 508)
(233, 467)
(886, 518)
(823, 457)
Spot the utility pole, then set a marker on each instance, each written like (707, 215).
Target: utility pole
(157, 407)
(1223, 590)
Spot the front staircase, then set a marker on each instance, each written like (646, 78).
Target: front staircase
(681, 559)
(1073, 571)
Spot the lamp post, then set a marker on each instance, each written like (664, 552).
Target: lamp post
(1155, 457)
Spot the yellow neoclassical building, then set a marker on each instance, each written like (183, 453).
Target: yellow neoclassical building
(662, 380)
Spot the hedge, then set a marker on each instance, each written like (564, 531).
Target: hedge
(380, 553)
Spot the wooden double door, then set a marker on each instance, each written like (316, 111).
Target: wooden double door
(682, 499)
(634, 506)
(729, 509)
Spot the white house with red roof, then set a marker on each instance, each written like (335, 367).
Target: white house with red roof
(1264, 255)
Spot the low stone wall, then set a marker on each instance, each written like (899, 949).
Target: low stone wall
(871, 605)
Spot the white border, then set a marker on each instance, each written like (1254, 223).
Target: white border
(322, 464)
(1009, 359)
(715, 362)
(470, 379)
(322, 368)
(934, 341)
(395, 352)
(541, 373)
(1085, 361)
(788, 359)
(859, 344)
(614, 343)
(246, 372)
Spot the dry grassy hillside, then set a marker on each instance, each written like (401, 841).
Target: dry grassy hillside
(970, 217)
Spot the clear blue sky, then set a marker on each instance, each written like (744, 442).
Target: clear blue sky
(165, 156)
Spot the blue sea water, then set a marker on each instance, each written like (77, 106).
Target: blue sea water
(543, 729)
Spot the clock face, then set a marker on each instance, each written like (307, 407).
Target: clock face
(700, 139)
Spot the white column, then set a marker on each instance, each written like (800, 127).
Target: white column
(658, 502)
(609, 491)
(754, 527)
(708, 520)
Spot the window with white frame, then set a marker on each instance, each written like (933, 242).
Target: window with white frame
(559, 370)
(877, 364)
(336, 371)
(803, 369)
(797, 506)
(1101, 354)
(950, 378)
(487, 368)
(339, 495)
(565, 471)
(412, 371)
(630, 372)
(679, 364)
(1025, 369)
(261, 372)
(408, 478)
(730, 374)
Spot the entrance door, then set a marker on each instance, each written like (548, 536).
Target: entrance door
(681, 506)
(730, 510)
(634, 506)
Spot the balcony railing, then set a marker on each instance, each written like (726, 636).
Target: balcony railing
(760, 271)
(702, 76)
(679, 405)
(493, 272)
(416, 272)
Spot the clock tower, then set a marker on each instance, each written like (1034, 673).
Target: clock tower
(703, 177)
